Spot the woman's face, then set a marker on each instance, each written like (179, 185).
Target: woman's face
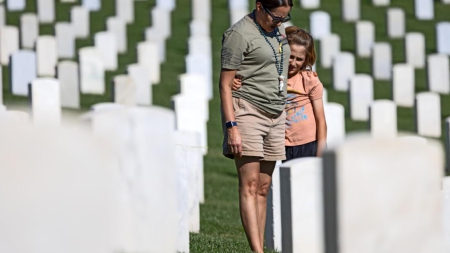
(266, 16)
(297, 59)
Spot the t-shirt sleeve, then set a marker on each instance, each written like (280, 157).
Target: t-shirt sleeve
(317, 91)
(233, 48)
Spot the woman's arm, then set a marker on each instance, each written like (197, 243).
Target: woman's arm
(234, 137)
(321, 125)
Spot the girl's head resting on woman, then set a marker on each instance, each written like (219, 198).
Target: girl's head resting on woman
(303, 53)
(272, 13)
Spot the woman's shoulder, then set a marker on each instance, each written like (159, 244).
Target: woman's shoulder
(241, 27)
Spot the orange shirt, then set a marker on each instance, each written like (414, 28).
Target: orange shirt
(300, 120)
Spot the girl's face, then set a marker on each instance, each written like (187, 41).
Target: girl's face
(297, 59)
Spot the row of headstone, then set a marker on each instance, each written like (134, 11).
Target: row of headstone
(238, 9)
(328, 202)
(320, 24)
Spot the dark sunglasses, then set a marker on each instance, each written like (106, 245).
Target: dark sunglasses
(276, 19)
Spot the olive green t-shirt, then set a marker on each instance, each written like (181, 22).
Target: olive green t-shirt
(245, 49)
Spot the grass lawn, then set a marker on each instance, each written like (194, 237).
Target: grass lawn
(221, 229)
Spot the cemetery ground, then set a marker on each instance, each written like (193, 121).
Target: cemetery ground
(221, 229)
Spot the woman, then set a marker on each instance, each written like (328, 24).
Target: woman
(254, 116)
(306, 128)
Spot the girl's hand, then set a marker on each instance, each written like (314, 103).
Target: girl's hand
(237, 83)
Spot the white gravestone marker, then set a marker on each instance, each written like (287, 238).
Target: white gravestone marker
(343, 70)
(119, 28)
(70, 84)
(438, 73)
(330, 46)
(201, 10)
(143, 84)
(310, 4)
(365, 38)
(23, 71)
(382, 61)
(351, 10)
(424, 9)
(301, 202)
(199, 28)
(29, 30)
(320, 24)
(272, 234)
(396, 23)
(46, 102)
(166, 4)
(237, 14)
(106, 45)
(201, 64)
(381, 2)
(361, 96)
(92, 71)
(200, 45)
(162, 21)
(1, 91)
(151, 35)
(47, 55)
(335, 117)
(415, 49)
(65, 40)
(443, 37)
(92, 5)
(79, 17)
(366, 191)
(9, 43)
(124, 90)
(383, 119)
(16, 5)
(195, 86)
(14, 118)
(403, 82)
(148, 58)
(2, 16)
(428, 114)
(125, 10)
(46, 11)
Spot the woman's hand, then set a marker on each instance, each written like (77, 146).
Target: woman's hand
(237, 83)
(235, 141)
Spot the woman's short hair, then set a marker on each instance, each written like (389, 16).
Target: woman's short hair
(271, 4)
(301, 37)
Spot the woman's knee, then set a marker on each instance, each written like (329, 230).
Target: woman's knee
(263, 189)
(249, 186)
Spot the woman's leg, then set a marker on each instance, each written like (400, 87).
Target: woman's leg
(249, 175)
(265, 179)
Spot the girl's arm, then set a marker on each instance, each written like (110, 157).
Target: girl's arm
(321, 125)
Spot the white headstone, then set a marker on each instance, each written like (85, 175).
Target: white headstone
(47, 55)
(161, 20)
(2, 107)
(65, 40)
(415, 49)
(201, 64)
(124, 90)
(361, 96)
(79, 17)
(365, 38)
(320, 24)
(196, 87)
(236, 15)
(330, 46)
(335, 117)
(2, 16)
(403, 83)
(16, 5)
(272, 234)
(92, 71)
(143, 84)
(325, 96)
(46, 102)
(118, 27)
(343, 70)
(424, 9)
(23, 71)
(351, 10)
(29, 30)
(237, 4)
(106, 45)
(381, 2)
(301, 202)
(310, 4)
(92, 5)
(359, 218)
(125, 10)
(151, 35)
(14, 118)
(166, 4)
(383, 119)
(200, 45)
(9, 43)
(443, 37)
(382, 61)
(201, 10)
(148, 58)
(446, 1)
(438, 72)
(199, 28)
(70, 84)
(46, 11)
(428, 114)
(396, 23)
(446, 210)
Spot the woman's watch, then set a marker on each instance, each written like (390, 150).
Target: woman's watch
(230, 124)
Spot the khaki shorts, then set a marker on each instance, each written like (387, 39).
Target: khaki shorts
(262, 133)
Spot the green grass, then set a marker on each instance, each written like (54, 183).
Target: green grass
(221, 229)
